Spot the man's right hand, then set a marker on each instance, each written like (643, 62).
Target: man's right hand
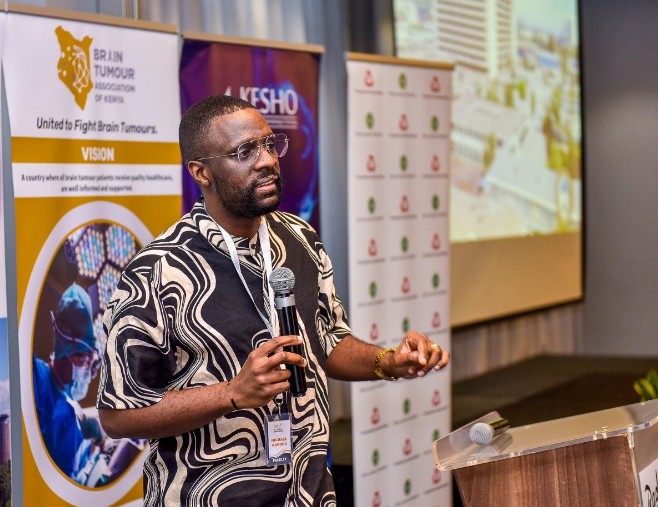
(263, 375)
(259, 381)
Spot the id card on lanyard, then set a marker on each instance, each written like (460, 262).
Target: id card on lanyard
(278, 438)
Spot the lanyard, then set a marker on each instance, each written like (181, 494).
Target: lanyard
(264, 238)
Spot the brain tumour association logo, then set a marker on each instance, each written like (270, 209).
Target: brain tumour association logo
(74, 67)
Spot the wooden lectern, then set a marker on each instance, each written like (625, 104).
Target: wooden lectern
(605, 458)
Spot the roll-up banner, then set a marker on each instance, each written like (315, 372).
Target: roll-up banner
(93, 111)
(5, 405)
(398, 182)
(281, 81)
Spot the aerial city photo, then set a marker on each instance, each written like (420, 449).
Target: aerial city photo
(516, 119)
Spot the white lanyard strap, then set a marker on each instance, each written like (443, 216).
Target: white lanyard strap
(264, 238)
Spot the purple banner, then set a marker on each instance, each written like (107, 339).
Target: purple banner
(283, 85)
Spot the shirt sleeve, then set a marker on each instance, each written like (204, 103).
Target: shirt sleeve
(139, 359)
(334, 325)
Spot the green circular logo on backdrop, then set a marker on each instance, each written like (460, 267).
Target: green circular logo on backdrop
(372, 289)
(372, 205)
(404, 163)
(375, 457)
(370, 120)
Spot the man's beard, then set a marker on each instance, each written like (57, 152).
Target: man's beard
(243, 202)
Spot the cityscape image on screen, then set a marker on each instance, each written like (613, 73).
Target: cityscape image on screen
(516, 110)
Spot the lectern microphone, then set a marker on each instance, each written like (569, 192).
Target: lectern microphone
(483, 433)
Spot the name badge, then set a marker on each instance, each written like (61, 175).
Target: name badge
(278, 439)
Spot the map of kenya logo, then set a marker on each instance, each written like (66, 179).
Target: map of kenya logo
(73, 66)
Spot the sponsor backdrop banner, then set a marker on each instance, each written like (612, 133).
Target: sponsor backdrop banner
(283, 84)
(398, 180)
(93, 112)
(5, 408)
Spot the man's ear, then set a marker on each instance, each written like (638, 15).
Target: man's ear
(198, 172)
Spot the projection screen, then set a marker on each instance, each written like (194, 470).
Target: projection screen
(516, 207)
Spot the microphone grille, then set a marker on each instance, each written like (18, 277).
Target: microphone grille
(282, 279)
(481, 433)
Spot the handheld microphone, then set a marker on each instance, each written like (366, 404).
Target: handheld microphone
(282, 280)
(483, 433)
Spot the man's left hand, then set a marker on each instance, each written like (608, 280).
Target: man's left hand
(415, 357)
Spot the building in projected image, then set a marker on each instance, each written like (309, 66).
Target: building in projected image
(5, 440)
(477, 34)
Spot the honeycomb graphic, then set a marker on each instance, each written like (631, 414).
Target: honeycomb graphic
(99, 252)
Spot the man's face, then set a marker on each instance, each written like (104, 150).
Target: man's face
(242, 190)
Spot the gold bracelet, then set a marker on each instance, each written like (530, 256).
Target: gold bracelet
(378, 365)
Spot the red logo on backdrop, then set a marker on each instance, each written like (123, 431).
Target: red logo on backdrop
(406, 286)
(371, 165)
(436, 163)
(435, 84)
(436, 398)
(376, 499)
(404, 123)
(404, 204)
(372, 248)
(368, 80)
(436, 241)
(408, 448)
(374, 332)
(436, 476)
(375, 417)
(436, 320)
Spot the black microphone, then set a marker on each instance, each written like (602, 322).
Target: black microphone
(282, 280)
(483, 433)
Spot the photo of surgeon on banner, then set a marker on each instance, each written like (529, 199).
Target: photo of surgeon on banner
(67, 345)
(59, 384)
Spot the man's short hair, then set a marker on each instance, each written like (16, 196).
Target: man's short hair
(195, 124)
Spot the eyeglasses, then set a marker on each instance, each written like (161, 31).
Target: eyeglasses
(247, 153)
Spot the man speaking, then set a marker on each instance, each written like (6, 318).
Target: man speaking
(194, 359)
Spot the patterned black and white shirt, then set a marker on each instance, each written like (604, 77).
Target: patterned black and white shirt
(181, 318)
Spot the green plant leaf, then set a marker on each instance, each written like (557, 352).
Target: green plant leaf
(652, 377)
(645, 389)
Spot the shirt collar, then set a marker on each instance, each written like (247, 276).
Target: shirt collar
(210, 231)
